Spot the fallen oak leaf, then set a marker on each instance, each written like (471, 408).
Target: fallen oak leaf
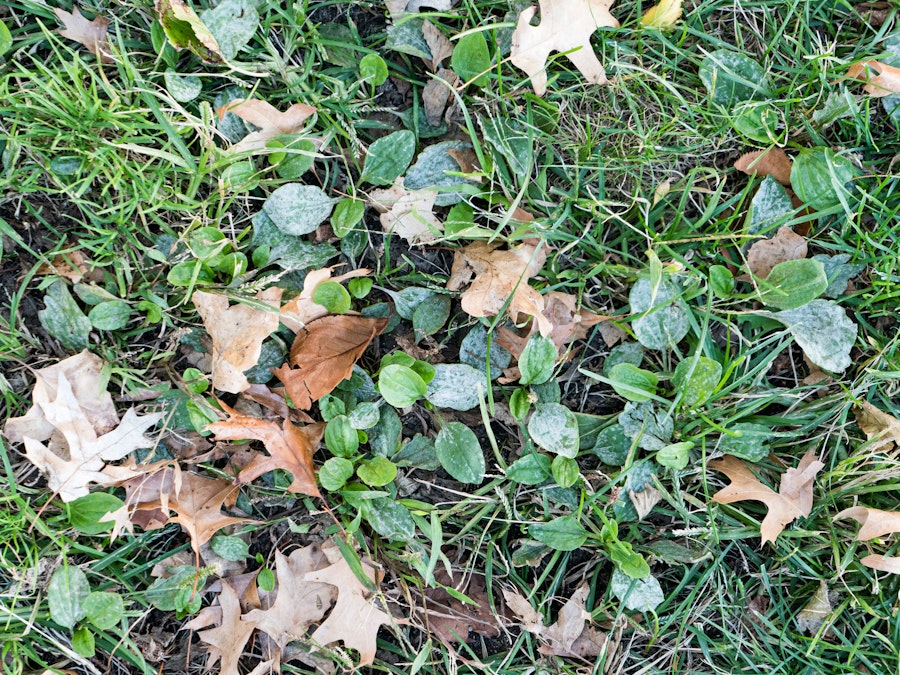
(198, 504)
(772, 162)
(793, 499)
(885, 82)
(226, 642)
(438, 44)
(91, 34)
(324, 354)
(875, 523)
(450, 619)
(237, 334)
(271, 121)
(878, 426)
(814, 613)
(407, 213)
(185, 30)
(566, 26)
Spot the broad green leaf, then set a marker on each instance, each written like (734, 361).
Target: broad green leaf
(418, 452)
(389, 519)
(633, 383)
(335, 473)
(537, 360)
(330, 406)
(341, 438)
(471, 58)
(233, 23)
(295, 164)
(642, 423)
(384, 437)
(612, 445)
(731, 77)
(347, 214)
(377, 471)
(839, 271)
(185, 30)
(289, 251)
(333, 297)
(758, 121)
(406, 37)
(104, 609)
(431, 171)
(459, 452)
(554, 427)
(388, 157)
(511, 140)
(696, 379)
(565, 471)
(83, 642)
(364, 416)
(721, 281)
(666, 321)
(746, 440)
(793, 283)
(298, 209)
(474, 351)
(66, 593)
(675, 554)
(231, 548)
(401, 386)
(430, 317)
(532, 469)
(675, 456)
(820, 177)
(627, 352)
(374, 70)
(85, 512)
(455, 386)
(63, 318)
(638, 595)
(823, 331)
(561, 534)
(111, 315)
(183, 88)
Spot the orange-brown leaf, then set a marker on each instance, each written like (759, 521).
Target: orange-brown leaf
(324, 354)
(772, 162)
(91, 34)
(198, 504)
(875, 522)
(792, 501)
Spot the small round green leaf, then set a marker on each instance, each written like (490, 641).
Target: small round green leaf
(696, 381)
(377, 471)
(532, 469)
(341, 438)
(388, 158)
(820, 177)
(347, 215)
(791, 284)
(401, 386)
(537, 360)
(83, 642)
(459, 452)
(66, 593)
(555, 428)
(565, 470)
(231, 548)
(675, 456)
(104, 609)
(333, 297)
(562, 534)
(374, 69)
(111, 315)
(85, 512)
(471, 58)
(335, 473)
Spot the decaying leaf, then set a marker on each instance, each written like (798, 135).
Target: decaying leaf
(566, 26)
(880, 78)
(198, 504)
(664, 15)
(875, 523)
(436, 95)
(500, 275)
(814, 613)
(226, 642)
(76, 455)
(407, 213)
(766, 253)
(878, 426)
(450, 619)
(772, 162)
(645, 500)
(74, 266)
(875, 13)
(268, 118)
(237, 334)
(793, 499)
(91, 34)
(438, 44)
(355, 619)
(296, 313)
(290, 448)
(324, 354)
(185, 30)
(569, 322)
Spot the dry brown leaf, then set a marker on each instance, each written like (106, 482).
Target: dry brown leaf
(566, 25)
(74, 266)
(766, 253)
(438, 44)
(296, 313)
(325, 353)
(814, 613)
(569, 322)
(569, 636)
(772, 162)
(611, 334)
(198, 504)
(644, 501)
(76, 455)
(354, 620)
(237, 334)
(298, 603)
(407, 213)
(875, 523)
(875, 13)
(793, 499)
(500, 275)
(226, 641)
(290, 448)
(91, 34)
(82, 372)
(271, 121)
(450, 619)
(436, 95)
(878, 426)
(528, 616)
(880, 78)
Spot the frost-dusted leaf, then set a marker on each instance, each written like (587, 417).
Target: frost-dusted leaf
(771, 206)
(793, 283)
(237, 333)
(664, 322)
(510, 138)
(288, 251)
(839, 104)
(839, 271)
(537, 360)
(91, 34)
(612, 445)
(63, 318)
(793, 500)
(183, 88)
(880, 78)
(271, 122)
(429, 318)
(384, 437)
(66, 593)
(697, 380)
(747, 441)
(474, 351)
(408, 213)
(389, 518)
(455, 386)
(765, 254)
(388, 157)
(664, 15)
(185, 30)
(233, 23)
(642, 423)
(430, 171)
(554, 427)
(823, 331)
(566, 26)
(731, 77)
(561, 534)
(772, 162)
(638, 595)
(298, 209)
(459, 452)
(407, 37)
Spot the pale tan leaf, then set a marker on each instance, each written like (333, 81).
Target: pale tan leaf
(296, 313)
(355, 619)
(882, 563)
(766, 253)
(664, 15)
(450, 619)
(530, 618)
(569, 636)
(880, 78)
(324, 354)
(814, 613)
(91, 34)
(198, 504)
(566, 26)
(436, 95)
(237, 334)
(772, 162)
(878, 426)
(226, 642)
(875, 522)
(271, 121)
(645, 500)
(438, 44)
(792, 501)
(407, 213)
(74, 266)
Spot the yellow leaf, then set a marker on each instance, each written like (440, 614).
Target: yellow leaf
(664, 15)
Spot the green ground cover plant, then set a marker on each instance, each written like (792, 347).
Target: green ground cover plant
(426, 337)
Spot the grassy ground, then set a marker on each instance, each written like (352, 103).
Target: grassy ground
(103, 161)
